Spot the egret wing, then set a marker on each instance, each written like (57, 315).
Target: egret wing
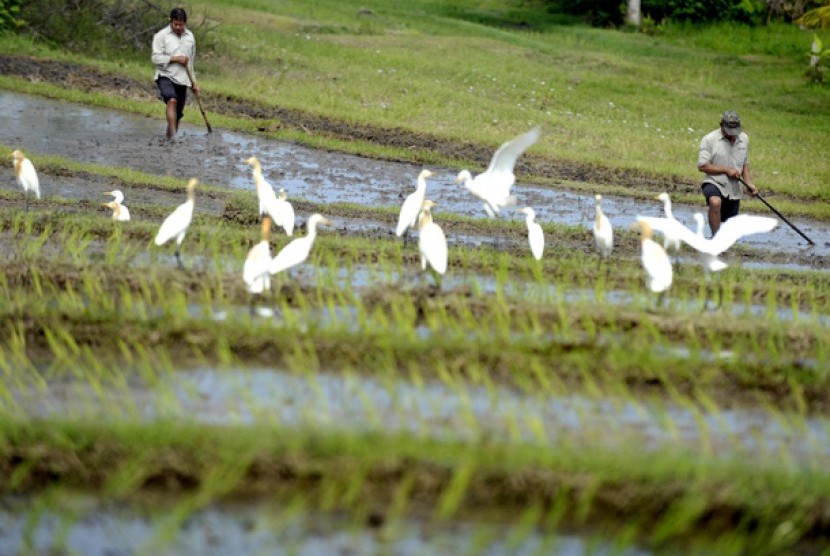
(433, 245)
(737, 227)
(176, 223)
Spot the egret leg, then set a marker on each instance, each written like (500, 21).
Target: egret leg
(179, 259)
(27, 201)
(720, 296)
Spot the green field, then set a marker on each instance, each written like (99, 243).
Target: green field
(535, 400)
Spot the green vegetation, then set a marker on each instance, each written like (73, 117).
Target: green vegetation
(605, 98)
(97, 319)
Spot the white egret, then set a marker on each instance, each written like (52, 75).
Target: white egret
(268, 202)
(120, 213)
(176, 224)
(534, 234)
(603, 233)
(286, 211)
(432, 244)
(298, 249)
(655, 261)
(26, 175)
(493, 185)
(255, 271)
(710, 249)
(670, 239)
(411, 208)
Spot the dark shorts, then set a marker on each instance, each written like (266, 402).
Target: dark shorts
(169, 90)
(728, 207)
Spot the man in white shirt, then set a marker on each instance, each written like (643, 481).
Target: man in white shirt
(724, 158)
(174, 48)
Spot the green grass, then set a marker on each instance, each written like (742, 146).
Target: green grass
(432, 67)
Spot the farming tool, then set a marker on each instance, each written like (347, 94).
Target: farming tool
(781, 216)
(198, 99)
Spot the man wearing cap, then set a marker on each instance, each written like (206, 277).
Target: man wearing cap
(724, 158)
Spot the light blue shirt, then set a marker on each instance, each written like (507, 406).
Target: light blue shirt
(716, 149)
(166, 43)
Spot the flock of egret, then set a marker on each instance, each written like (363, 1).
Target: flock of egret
(492, 187)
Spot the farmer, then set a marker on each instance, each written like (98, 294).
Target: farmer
(724, 158)
(173, 50)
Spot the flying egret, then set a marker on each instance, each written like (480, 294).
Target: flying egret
(255, 271)
(710, 249)
(670, 239)
(493, 185)
(411, 208)
(432, 244)
(24, 170)
(298, 249)
(534, 234)
(120, 213)
(286, 211)
(268, 202)
(176, 224)
(655, 261)
(603, 233)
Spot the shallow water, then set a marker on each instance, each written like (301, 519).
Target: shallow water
(457, 411)
(84, 525)
(46, 126)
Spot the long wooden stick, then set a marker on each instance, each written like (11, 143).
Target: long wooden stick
(198, 99)
(769, 206)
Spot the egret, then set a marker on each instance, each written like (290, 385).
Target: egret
(710, 249)
(534, 234)
(298, 249)
(493, 186)
(603, 233)
(670, 239)
(176, 224)
(120, 213)
(24, 170)
(255, 271)
(268, 202)
(655, 261)
(432, 244)
(411, 208)
(286, 211)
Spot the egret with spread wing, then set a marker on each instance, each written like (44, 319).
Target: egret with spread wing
(493, 185)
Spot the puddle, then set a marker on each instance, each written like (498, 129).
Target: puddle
(84, 525)
(47, 126)
(434, 409)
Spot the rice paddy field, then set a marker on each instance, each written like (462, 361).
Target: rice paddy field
(522, 407)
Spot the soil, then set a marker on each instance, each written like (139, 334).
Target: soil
(91, 80)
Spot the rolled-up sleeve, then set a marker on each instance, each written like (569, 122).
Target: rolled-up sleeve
(705, 154)
(159, 57)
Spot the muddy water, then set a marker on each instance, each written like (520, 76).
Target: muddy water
(84, 525)
(108, 137)
(454, 412)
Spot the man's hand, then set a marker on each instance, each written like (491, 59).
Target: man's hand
(733, 173)
(183, 60)
(753, 191)
(195, 88)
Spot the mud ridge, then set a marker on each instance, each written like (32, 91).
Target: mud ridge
(88, 79)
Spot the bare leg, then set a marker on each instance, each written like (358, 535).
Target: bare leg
(714, 213)
(172, 120)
